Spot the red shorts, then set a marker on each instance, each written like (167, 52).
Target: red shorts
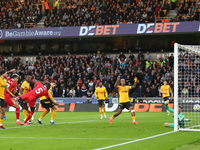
(9, 101)
(30, 97)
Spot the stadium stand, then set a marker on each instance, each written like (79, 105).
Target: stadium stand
(14, 15)
(83, 12)
(187, 11)
(78, 76)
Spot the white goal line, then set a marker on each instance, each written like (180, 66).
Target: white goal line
(134, 141)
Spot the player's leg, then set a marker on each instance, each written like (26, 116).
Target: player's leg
(100, 108)
(2, 111)
(104, 110)
(116, 114)
(169, 125)
(25, 109)
(14, 104)
(133, 114)
(166, 101)
(39, 120)
(29, 115)
(54, 108)
(31, 102)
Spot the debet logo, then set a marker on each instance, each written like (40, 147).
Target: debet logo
(157, 27)
(98, 30)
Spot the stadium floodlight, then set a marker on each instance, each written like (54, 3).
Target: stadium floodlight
(187, 87)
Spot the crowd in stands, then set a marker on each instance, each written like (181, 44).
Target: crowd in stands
(78, 76)
(14, 15)
(187, 11)
(103, 12)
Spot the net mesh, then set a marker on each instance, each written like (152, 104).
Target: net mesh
(189, 85)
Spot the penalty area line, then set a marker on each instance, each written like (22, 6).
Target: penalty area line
(52, 138)
(22, 126)
(107, 147)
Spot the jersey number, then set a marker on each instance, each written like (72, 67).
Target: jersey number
(8, 85)
(38, 90)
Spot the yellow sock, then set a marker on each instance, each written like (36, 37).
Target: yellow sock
(53, 114)
(100, 110)
(113, 117)
(25, 112)
(44, 114)
(1, 121)
(133, 117)
(104, 110)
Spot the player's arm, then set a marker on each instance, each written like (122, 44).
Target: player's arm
(135, 84)
(12, 70)
(169, 109)
(106, 94)
(35, 81)
(116, 83)
(95, 93)
(7, 90)
(51, 97)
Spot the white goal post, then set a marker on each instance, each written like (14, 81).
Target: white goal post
(187, 87)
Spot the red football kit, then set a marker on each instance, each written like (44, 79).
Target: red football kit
(12, 85)
(33, 95)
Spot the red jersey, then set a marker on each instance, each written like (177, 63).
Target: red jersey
(11, 84)
(40, 90)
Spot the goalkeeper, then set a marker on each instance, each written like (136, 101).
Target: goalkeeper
(181, 119)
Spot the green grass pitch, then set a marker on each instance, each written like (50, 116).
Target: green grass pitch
(85, 131)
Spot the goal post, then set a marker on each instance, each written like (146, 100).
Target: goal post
(186, 87)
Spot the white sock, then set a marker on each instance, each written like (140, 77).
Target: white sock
(17, 120)
(39, 119)
(0, 124)
(133, 120)
(51, 121)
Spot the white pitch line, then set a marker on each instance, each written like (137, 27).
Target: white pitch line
(48, 124)
(134, 141)
(49, 138)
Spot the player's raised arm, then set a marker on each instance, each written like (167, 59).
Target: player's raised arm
(116, 83)
(135, 84)
(12, 70)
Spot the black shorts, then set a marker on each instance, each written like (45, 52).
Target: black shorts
(2, 103)
(101, 102)
(126, 105)
(46, 103)
(22, 103)
(166, 98)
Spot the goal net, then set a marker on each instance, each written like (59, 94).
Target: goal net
(186, 87)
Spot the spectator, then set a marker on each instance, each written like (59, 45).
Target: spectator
(83, 91)
(140, 55)
(110, 95)
(90, 92)
(140, 91)
(147, 78)
(72, 92)
(148, 92)
(154, 91)
(78, 92)
(148, 56)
